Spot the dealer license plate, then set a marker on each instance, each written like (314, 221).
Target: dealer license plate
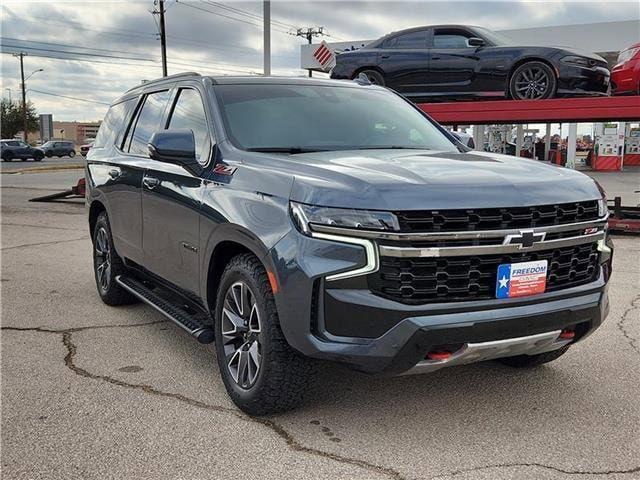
(521, 279)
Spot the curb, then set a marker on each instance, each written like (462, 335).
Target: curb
(51, 168)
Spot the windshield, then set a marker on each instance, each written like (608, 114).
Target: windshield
(496, 38)
(300, 118)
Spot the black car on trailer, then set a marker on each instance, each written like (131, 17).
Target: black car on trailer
(459, 61)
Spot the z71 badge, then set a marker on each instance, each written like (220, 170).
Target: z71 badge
(221, 169)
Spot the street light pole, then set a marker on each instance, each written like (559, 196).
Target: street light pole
(163, 39)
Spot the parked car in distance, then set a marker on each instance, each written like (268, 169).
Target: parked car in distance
(59, 148)
(11, 149)
(84, 149)
(294, 219)
(458, 61)
(625, 75)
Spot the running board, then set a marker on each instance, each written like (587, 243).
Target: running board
(190, 324)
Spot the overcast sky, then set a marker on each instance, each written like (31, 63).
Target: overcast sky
(114, 45)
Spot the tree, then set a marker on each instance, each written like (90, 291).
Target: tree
(11, 118)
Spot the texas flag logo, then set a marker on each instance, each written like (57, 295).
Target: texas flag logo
(521, 279)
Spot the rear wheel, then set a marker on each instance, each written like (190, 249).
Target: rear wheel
(374, 77)
(530, 361)
(261, 372)
(49, 154)
(107, 265)
(532, 81)
(7, 156)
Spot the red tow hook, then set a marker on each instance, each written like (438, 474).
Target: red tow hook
(567, 334)
(439, 355)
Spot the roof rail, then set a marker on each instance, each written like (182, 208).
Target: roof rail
(162, 79)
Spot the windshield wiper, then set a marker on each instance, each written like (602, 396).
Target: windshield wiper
(291, 150)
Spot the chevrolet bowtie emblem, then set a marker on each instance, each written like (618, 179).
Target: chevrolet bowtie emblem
(524, 239)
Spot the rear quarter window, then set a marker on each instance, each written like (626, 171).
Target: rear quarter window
(115, 122)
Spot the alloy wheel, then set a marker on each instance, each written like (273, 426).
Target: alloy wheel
(103, 259)
(532, 83)
(241, 334)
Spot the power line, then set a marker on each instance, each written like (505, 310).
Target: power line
(227, 16)
(80, 53)
(246, 13)
(70, 98)
(68, 45)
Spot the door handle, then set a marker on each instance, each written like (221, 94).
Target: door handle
(115, 173)
(384, 56)
(435, 58)
(150, 182)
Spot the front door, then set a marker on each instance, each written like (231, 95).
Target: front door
(171, 199)
(453, 62)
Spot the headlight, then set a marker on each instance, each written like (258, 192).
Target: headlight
(627, 55)
(580, 61)
(602, 207)
(306, 215)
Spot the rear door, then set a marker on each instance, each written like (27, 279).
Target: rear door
(453, 62)
(171, 198)
(118, 179)
(405, 61)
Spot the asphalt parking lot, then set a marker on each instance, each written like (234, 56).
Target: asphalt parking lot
(94, 392)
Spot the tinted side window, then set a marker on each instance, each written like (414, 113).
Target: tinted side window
(449, 39)
(112, 127)
(408, 40)
(148, 121)
(188, 113)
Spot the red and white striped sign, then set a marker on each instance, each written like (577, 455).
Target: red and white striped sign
(324, 56)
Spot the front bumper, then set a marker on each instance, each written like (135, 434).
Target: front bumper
(575, 80)
(405, 333)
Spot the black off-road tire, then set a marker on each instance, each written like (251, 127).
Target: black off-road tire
(283, 375)
(530, 361)
(110, 291)
(49, 154)
(530, 69)
(374, 77)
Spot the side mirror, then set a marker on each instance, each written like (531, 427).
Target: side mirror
(173, 146)
(475, 42)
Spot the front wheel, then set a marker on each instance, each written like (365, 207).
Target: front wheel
(530, 361)
(72, 153)
(532, 81)
(261, 372)
(49, 154)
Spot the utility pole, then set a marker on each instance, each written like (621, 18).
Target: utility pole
(266, 47)
(309, 33)
(163, 35)
(24, 94)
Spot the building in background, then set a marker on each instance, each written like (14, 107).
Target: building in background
(77, 132)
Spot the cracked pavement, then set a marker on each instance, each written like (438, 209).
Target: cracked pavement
(90, 391)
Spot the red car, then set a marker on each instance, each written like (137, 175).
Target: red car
(84, 149)
(625, 76)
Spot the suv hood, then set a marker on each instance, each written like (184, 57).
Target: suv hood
(420, 179)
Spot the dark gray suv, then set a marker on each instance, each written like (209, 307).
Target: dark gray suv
(294, 219)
